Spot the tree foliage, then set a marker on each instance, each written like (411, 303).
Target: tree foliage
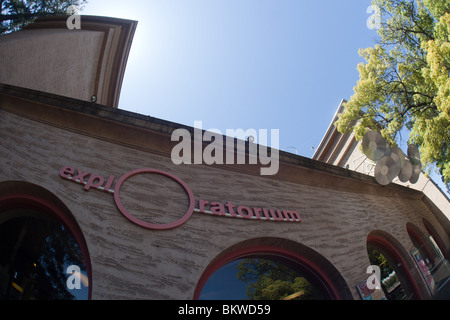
(404, 82)
(272, 280)
(35, 253)
(377, 258)
(15, 14)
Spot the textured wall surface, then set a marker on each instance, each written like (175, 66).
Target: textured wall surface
(30, 59)
(78, 63)
(131, 262)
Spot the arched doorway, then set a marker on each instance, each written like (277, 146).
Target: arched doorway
(271, 268)
(438, 267)
(395, 265)
(43, 254)
(420, 242)
(444, 251)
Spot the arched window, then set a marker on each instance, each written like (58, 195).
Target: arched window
(271, 269)
(395, 265)
(43, 254)
(422, 244)
(436, 238)
(439, 268)
(263, 277)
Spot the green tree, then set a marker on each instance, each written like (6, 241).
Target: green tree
(35, 253)
(15, 14)
(376, 258)
(404, 82)
(272, 280)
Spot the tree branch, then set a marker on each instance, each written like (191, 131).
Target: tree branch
(21, 16)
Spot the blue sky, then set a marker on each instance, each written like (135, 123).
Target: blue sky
(224, 284)
(250, 64)
(260, 64)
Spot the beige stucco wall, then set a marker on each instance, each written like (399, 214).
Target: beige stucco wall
(75, 63)
(344, 151)
(59, 61)
(353, 158)
(131, 262)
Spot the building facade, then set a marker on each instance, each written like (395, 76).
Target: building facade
(143, 227)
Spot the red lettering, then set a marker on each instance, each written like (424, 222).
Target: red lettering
(266, 214)
(273, 215)
(217, 208)
(256, 211)
(66, 172)
(81, 175)
(292, 215)
(91, 181)
(109, 183)
(201, 205)
(230, 208)
(278, 216)
(247, 215)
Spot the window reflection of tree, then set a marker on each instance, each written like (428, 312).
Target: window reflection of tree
(390, 282)
(34, 255)
(273, 280)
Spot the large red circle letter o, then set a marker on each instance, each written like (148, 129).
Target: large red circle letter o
(145, 224)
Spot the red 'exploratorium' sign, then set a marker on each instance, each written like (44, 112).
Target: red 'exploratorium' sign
(228, 209)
